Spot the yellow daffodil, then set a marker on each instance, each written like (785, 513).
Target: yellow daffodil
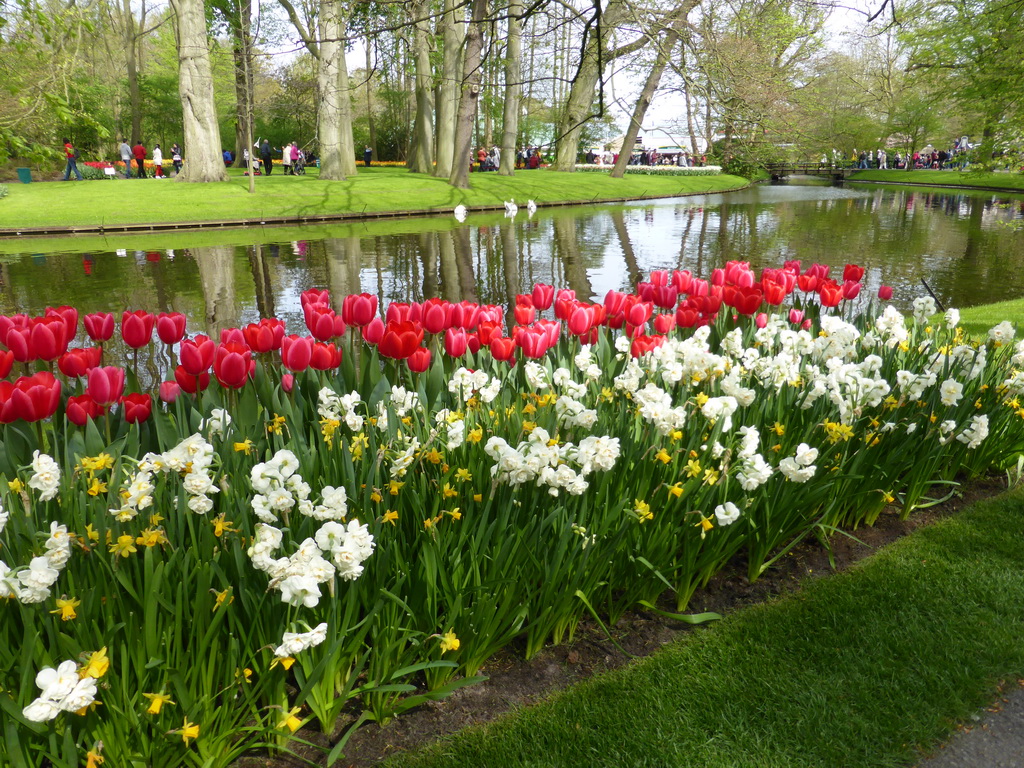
(887, 497)
(275, 425)
(407, 421)
(291, 720)
(96, 487)
(478, 497)
(529, 409)
(676, 489)
(156, 701)
(693, 468)
(433, 456)
(663, 456)
(705, 525)
(222, 598)
(455, 513)
(66, 608)
(475, 435)
(155, 519)
(529, 426)
(779, 429)
(449, 642)
(284, 661)
(390, 516)
(91, 533)
(836, 432)
(96, 665)
(431, 522)
(607, 394)
(16, 485)
(701, 399)
(327, 428)
(447, 492)
(375, 497)
(710, 476)
(676, 435)
(125, 545)
(394, 487)
(151, 537)
(222, 526)
(243, 447)
(93, 759)
(472, 402)
(464, 475)
(243, 675)
(642, 510)
(189, 731)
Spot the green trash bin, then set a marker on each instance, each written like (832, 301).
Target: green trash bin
(25, 175)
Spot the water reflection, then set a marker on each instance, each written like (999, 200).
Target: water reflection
(967, 245)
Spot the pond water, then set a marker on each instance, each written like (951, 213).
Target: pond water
(969, 246)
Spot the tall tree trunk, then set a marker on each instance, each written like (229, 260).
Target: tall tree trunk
(513, 89)
(422, 158)
(667, 45)
(470, 96)
(448, 93)
(203, 155)
(334, 117)
(241, 52)
(369, 100)
(134, 97)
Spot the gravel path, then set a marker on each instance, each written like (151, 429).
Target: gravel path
(994, 740)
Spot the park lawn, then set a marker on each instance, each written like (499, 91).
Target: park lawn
(860, 669)
(981, 179)
(372, 190)
(977, 320)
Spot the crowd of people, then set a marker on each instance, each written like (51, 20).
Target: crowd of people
(681, 159)
(956, 157)
(490, 159)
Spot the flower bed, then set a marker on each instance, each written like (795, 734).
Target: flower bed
(655, 170)
(302, 530)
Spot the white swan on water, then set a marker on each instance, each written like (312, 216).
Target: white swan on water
(460, 213)
(511, 209)
(531, 207)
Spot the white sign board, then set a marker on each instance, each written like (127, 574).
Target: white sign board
(109, 171)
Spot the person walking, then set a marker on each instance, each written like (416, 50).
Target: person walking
(72, 161)
(268, 162)
(176, 157)
(367, 156)
(294, 151)
(158, 162)
(286, 159)
(139, 152)
(883, 160)
(126, 157)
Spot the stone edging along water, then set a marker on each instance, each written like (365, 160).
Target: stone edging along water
(118, 229)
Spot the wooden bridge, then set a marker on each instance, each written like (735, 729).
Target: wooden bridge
(826, 170)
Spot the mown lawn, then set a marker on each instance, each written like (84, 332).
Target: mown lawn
(968, 178)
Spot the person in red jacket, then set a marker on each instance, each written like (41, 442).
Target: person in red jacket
(139, 152)
(69, 153)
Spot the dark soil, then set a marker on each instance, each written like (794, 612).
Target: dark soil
(514, 682)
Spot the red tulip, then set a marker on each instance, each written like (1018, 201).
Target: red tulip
(358, 308)
(808, 283)
(6, 362)
(831, 293)
(170, 327)
(851, 289)
(320, 321)
(796, 316)
(70, 317)
(400, 340)
(643, 344)
(524, 314)
(761, 320)
(99, 325)
(190, 382)
(197, 355)
(169, 391)
(580, 320)
(315, 296)
(232, 336)
(324, 357)
(80, 408)
(296, 352)
(264, 336)
(465, 314)
(373, 331)
(136, 407)
(287, 382)
(47, 338)
(400, 310)
(681, 279)
(231, 365)
(502, 349)
(19, 340)
(664, 323)
(30, 398)
(7, 323)
(436, 315)
(853, 272)
(487, 330)
(77, 362)
(542, 296)
(106, 384)
(533, 343)
(456, 341)
(419, 360)
(639, 313)
(774, 293)
(137, 328)
(686, 317)
(885, 292)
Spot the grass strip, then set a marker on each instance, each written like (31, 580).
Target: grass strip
(373, 190)
(858, 669)
(980, 179)
(977, 320)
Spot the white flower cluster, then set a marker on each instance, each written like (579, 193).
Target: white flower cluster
(299, 576)
(539, 460)
(465, 383)
(587, 366)
(455, 428)
(727, 513)
(342, 408)
(800, 468)
(975, 433)
(192, 459)
(294, 643)
(45, 476)
(402, 459)
(655, 406)
(279, 488)
(536, 375)
(924, 307)
(63, 690)
(216, 424)
(754, 471)
(1002, 333)
(32, 584)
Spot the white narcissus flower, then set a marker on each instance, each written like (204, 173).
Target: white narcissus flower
(727, 513)
(952, 318)
(296, 642)
(300, 590)
(951, 392)
(217, 423)
(1002, 333)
